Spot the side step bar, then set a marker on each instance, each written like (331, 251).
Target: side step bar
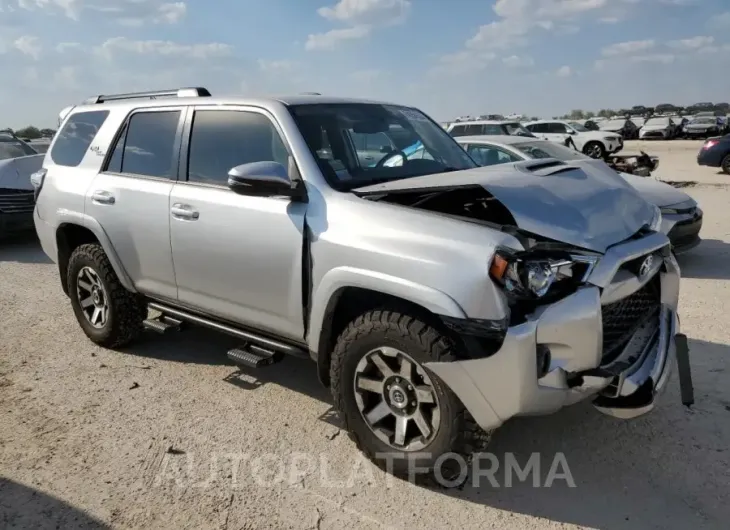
(253, 356)
(264, 343)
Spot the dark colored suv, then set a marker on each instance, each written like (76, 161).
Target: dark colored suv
(716, 153)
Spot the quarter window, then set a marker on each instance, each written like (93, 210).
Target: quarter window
(222, 139)
(147, 145)
(75, 138)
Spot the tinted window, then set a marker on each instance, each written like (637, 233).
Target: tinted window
(492, 129)
(538, 128)
(459, 130)
(490, 156)
(557, 128)
(75, 138)
(224, 139)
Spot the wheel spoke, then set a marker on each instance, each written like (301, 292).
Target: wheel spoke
(95, 316)
(380, 363)
(85, 286)
(406, 368)
(422, 424)
(424, 394)
(86, 302)
(104, 313)
(401, 425)
(380, 411)
(371, 385)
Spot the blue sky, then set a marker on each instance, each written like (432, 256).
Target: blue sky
(538, 57)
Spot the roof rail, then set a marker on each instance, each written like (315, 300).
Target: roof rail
(195, 92)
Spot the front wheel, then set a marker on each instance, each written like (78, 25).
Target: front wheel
(110, 315)
(594, 150)
(401, 415)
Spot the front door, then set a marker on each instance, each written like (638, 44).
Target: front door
(238, 257)
(130, 198)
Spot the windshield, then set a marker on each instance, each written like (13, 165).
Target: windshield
(705, 120)
(613, 124)
(357, 144)
(577, 126)
(545, 149)
(658, 121)
(11, 148)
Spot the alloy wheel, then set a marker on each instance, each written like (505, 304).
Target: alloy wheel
(92, 297)
(397, 399)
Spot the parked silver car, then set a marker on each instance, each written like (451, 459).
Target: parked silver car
(434, 295)
(681, 215)
(18, 161)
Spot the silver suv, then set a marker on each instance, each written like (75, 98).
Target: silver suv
(435, 296)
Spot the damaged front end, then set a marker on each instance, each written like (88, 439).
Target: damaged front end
(592, 294)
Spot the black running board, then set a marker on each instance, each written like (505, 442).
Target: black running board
(247, 336)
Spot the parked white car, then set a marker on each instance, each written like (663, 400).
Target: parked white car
(658, 128)
(596, 144)
(488, 127)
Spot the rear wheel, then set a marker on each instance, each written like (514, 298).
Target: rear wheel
(726, 164)
(402, 416)
(594, 150)
(110, 315)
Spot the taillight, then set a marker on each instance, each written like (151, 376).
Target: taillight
(36, 180)
(710, 143)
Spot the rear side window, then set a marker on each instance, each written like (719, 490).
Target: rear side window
(147, 145)
(458, 130)
(75, 138)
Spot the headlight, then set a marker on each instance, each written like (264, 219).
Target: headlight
(656, 220)
(683, 207)
(527, 276)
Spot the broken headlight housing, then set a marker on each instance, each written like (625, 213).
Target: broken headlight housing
(528, 276)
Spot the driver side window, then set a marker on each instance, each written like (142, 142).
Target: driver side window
(558, 128)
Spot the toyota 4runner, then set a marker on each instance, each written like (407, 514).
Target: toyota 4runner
(438, 299)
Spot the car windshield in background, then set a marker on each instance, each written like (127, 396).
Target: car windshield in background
(517, 129)
(545, 149)
(658, 121)
(577, 126)
(11, 148)
(613, 124)
(704, 121)
(357, 144)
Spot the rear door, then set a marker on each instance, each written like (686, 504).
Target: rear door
(237, 257)
(556, 132)
(130, 197)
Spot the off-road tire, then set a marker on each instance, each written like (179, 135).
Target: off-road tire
(726, 164)
(587, 147)
(458, 433)
(127, 310)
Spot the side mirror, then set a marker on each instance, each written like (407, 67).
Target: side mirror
(571, 131)
(264, 179)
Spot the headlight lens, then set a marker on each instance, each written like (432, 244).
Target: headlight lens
(532, 277)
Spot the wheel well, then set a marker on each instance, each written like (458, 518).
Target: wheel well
(68, 238)
(346, 305)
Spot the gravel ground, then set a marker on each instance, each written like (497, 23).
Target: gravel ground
(149, 437)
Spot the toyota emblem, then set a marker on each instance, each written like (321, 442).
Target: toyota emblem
(646, 266)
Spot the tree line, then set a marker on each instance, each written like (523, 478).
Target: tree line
(32, 133)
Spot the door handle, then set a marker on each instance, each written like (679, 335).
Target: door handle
(102, 197)
(184, 211)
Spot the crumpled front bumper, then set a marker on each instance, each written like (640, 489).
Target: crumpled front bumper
(508, 383)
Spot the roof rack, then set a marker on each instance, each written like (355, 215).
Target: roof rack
(195, 92)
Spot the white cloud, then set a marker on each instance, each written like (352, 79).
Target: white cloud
(125, 12)
(63, 47)
(165, 48)
(361, 17)
(693, 43)
(564, 71)
(664, 58)
(516, 61)
(367, 12)
(29, 45)
(330, 39)
(628, 47)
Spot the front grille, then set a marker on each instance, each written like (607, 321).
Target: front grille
(622, 318)
(16, 201)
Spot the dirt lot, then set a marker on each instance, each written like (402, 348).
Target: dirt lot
(148, 437)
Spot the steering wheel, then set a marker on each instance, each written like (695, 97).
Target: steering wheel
(390, 155)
